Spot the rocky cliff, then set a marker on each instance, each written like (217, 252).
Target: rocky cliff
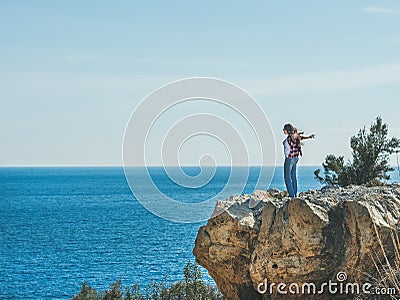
(266, 238)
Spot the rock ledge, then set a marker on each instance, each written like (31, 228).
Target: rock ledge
(311, 238)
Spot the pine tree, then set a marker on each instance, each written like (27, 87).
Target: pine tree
(370, 150)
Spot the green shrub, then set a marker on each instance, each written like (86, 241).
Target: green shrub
(87, 293)
(193, 287)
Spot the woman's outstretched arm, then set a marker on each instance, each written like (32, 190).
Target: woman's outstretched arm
(306, 137)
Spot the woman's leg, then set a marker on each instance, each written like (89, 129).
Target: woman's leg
(287, 176)
(293, 175)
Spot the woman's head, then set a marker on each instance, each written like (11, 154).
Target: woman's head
(288, 128)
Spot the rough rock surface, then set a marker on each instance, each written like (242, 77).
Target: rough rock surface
(311, 238)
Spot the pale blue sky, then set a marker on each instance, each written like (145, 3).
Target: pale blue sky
(71, 72)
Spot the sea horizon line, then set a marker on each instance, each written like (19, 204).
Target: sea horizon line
(147, 166)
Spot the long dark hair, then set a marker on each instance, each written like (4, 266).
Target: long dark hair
(289, 128)
(297, 140)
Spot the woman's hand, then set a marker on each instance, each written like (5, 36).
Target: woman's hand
(311, 136)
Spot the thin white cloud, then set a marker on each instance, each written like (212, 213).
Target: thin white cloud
(88, 57)
(393, 40)
(378, 10)
(25, 86)
(80, 57)
(78, 85)
(329, 81)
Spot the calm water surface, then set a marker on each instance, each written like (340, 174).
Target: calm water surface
(60, 226)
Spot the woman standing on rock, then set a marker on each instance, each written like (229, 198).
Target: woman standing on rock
(292, 151)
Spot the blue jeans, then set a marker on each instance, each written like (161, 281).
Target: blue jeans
(289, 169)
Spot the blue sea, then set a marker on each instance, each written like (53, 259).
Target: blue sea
(63, 225)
